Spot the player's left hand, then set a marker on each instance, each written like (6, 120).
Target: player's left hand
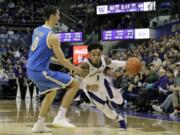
(92, 87)
(81, 72)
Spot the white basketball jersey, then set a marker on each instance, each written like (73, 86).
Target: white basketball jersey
(95, 75)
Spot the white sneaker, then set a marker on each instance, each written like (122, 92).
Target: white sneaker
(40, 128)
(174, 113)
(157, 108)
(62, 123)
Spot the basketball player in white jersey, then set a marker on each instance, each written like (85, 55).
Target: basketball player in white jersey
(97, 88)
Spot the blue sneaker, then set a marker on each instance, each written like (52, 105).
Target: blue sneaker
(122, 125)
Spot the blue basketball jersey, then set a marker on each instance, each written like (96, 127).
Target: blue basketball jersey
(38, 64)
(39, 53)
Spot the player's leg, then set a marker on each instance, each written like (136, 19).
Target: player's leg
(113, 95)
(101, 103)
(46, 103)
(115, 99)
(49, 90)
(72, 86)
(60, 119)
(72, 90)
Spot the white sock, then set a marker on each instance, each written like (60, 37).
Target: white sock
(41, 119)
(62, 113)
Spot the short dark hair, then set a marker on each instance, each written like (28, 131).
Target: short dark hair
(95, 46)
(49, 10)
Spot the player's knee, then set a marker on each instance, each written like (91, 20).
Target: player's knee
(120, 101)
(52, 94)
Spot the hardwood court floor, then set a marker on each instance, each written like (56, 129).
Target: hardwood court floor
(18, 119)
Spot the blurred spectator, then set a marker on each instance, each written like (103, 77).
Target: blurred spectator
(118, 77)
(156, 61)
(3, 74)
(17, 54)
(165, 107)
(153, 75)
(18, 12)
(176, 89)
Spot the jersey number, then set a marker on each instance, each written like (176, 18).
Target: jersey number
(35, 43)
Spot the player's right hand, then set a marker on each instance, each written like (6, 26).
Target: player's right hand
(81, 72)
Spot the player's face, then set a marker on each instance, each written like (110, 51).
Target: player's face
(56, 17)
(95, 56)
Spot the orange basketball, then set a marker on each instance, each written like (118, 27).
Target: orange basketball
(133, 66)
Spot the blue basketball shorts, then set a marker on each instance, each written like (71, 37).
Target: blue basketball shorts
(49, 80)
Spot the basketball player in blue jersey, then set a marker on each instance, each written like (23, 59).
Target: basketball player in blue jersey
(44, 46)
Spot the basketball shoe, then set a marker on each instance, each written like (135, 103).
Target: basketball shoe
(62, 123)
(40, 128)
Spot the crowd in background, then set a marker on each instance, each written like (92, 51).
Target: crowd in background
(21, 12)
(13, 65)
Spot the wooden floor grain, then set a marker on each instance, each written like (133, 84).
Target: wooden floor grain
(18, 119)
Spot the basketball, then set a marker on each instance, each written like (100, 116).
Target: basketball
(133, 66)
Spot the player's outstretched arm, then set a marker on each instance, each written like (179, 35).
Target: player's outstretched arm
(115, 63)
(55, 61)
(54, 43)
